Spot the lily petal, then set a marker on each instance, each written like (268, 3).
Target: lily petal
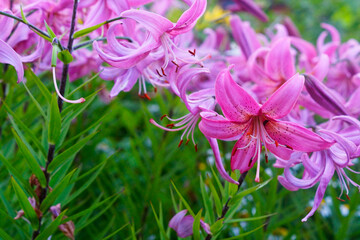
(215, 126)
(295, 136)
(283, 100)
(324, 182)
(156, 24)
(189, 18)
(243, 154)
(235, 102)
(219, 165)
(9, 56)
(279, 62)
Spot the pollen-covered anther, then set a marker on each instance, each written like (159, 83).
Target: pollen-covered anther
(276, 143)
(181, 141)
(177, 66)
(170, 125)
(347, 196)
(155, 89)
(287, 146)
(266, 158)
(162, 117)
(196, 148)
(163, 71)
(192, 52)
(147, 96)
(157, 71)
(187, 141)
(341, 200)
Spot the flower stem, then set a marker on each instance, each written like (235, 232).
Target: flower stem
(225, 209)
(51, 150)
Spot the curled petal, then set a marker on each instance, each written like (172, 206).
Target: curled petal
(283, 100)
(213, 125)
(251, 7)
(9, 56)
(188, 19)
(36, 54)
(235, 102)
(124, 82)
(321, 68)
(324, 182)
(156, 24)
(219, 165)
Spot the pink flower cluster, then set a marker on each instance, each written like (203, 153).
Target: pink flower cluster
(269, 87)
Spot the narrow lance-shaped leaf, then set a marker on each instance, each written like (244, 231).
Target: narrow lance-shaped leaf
(54, 121)
(183, 200)
(242, 194)
(196, 226)
(46, 233)
(85, 31)
(30, 75)
(67, 154)
(17, 175)
(25, 204)
(53, 195)
(33, 164)
(207, 201)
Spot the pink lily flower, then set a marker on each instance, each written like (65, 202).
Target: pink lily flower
(322, 165)
(254, 125)
(183, 225)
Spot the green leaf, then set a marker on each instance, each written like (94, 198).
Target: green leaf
(207, 201)
(183, 200)
(4, 235)
(196, 226)
(23, 15)
(216, 227)
(250, 219)
(90, 209)
(46, 233)
(160, 225)
(65, 56)
(91, 175)
(21, 229)
(114, 233)
(25, 205)
(30, 75)
(68, 153)
(86, 31)
(84, 83)
(18, 177)
(54, 121)
(34, 139)
(218, 205)
(33, 164)
(37, 104)
(54, 194)
(233, 188)
(241, 194)
(245, 234)
(49, 30)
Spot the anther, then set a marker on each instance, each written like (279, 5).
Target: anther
(340, 199)
(162, 117)
(171, 125)
(276, 143)
(192, 52)
(266, 158)
(187, 141)
(181, 141)
(196, 148)
(347, 196)
(287, 146)
(155, 89)
(163, 72)
(157, 71)
(147, 96)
